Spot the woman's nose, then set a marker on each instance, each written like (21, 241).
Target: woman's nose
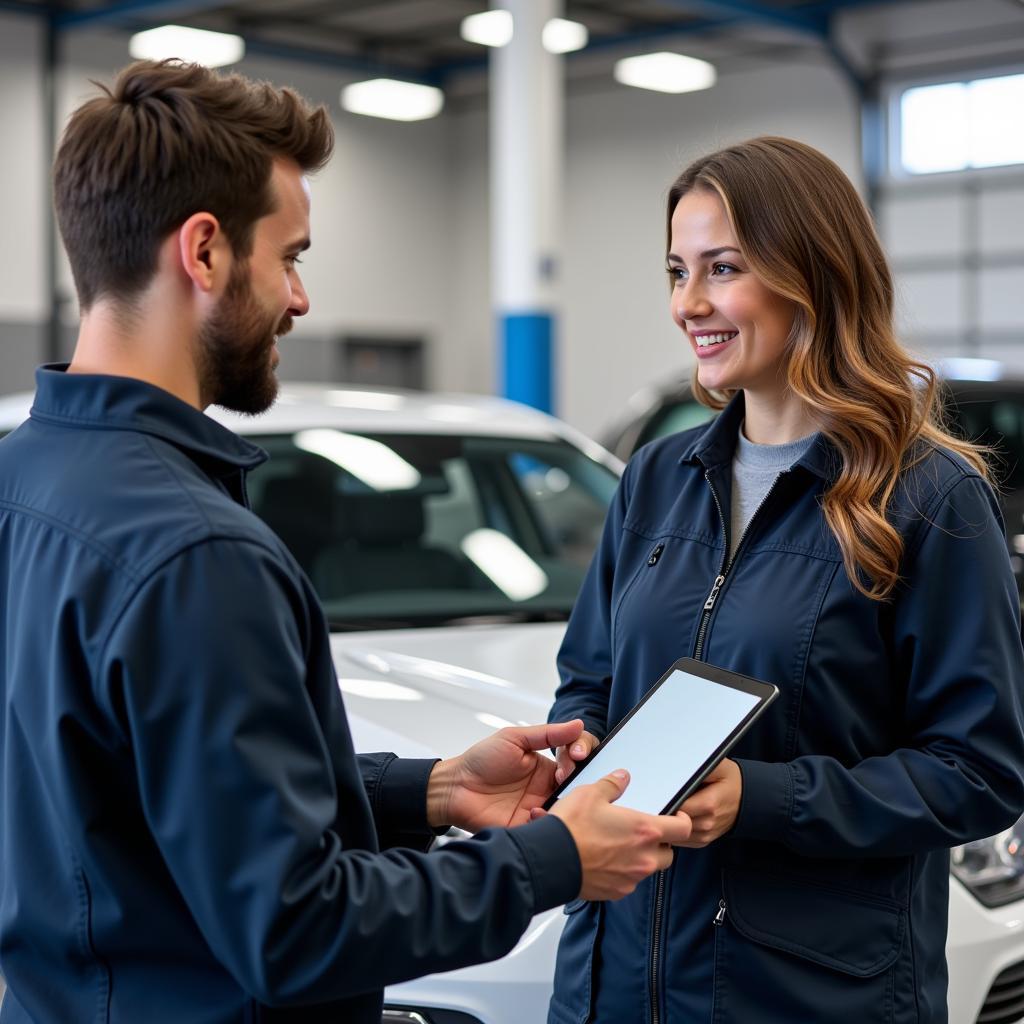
(691, 302)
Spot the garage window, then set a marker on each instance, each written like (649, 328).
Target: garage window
(953, 126)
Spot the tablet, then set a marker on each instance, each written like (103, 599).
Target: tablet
(684, 725)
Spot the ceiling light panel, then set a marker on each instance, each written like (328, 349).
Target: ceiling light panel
(488, 28)
(563, 36)
(665, 72)
(195, 45)
(392, 99)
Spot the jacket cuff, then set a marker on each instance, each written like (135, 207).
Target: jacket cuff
(766, 804)
(553, 860)
(401, 798)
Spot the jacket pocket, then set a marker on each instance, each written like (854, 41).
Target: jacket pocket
(572, 999)
(792, 951)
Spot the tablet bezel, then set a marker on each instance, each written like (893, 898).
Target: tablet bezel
(764, 692)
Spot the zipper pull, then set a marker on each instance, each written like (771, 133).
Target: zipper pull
(710, 602)
(720, 916)
(655, 555)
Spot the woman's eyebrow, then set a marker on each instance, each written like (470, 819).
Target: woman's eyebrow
(707, 254)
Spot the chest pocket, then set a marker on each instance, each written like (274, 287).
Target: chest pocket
(664, 597)
(787, 948)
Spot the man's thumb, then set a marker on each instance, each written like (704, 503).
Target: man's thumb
(614, 784)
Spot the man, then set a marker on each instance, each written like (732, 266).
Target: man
(187, 833)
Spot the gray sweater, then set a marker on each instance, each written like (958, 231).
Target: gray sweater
(755, 467)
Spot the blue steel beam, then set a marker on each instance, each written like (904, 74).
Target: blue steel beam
(361, 65)
(131, 9)
(21, 7)
(799, 20)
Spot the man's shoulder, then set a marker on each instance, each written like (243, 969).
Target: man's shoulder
(133, 497)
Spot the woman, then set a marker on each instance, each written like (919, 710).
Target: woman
(825, 534)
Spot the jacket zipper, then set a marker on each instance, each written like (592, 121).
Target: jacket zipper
(698, 650)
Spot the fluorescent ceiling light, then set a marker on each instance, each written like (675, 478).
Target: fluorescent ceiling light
(377, 465)
(665, 72)
(195, 45)
(390, 98)
(488, 28)
(505, 564)
(563, 36)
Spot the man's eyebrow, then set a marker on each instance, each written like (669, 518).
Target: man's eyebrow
(707, 254)
(298, 246)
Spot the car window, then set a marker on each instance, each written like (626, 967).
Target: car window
(673, 418)
(997, 421)
(404, 530)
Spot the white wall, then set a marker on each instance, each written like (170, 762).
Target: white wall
(22, 176)
(23, 195)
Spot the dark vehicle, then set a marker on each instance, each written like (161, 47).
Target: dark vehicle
(985, 403)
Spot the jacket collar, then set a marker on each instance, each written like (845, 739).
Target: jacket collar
(715, 446)
(99, 402)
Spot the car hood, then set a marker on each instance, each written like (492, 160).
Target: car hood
(434, 692)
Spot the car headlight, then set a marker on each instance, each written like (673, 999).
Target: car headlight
(403, 1017)
(993, 868)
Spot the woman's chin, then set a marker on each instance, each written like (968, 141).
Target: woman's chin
(708, 378)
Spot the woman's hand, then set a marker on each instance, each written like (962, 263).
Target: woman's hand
(569, 754)
(713, 808)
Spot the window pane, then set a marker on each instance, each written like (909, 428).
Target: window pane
(934, 129)
(997, 121)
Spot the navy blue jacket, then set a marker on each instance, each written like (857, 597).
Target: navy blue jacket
(897, 734)
(187, 834)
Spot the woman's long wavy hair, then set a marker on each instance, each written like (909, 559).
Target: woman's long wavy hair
(806, 233)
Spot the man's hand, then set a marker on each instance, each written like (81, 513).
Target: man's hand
(498, 781)
(713, 808)
(572, 751)
(618, 847)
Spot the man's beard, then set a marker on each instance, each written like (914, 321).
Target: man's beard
(236, 344)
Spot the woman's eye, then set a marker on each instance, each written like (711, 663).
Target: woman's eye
(292, 260)
(722, 268)
(676, 273)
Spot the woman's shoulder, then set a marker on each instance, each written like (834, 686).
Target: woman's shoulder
(933, 473)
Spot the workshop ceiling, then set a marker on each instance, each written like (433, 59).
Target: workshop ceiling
(419, 39)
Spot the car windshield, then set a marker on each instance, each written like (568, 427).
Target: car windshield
(995, 419)
(401, 530)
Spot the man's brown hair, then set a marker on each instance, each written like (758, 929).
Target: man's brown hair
(168, 140)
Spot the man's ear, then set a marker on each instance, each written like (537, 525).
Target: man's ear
(204, 252)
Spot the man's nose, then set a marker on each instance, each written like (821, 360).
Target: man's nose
(299, 305)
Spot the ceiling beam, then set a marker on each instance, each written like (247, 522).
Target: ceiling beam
(255, 46)
(798, 20)
(23, 7)
(133, 9)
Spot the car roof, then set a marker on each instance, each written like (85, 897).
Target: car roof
(300, 406)
(378, 410)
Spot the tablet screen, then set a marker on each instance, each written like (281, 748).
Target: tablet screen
(668, 739)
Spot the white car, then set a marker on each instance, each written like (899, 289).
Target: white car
(447, 537)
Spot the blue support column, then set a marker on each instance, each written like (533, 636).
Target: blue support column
(527, 341)
(527, 139)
